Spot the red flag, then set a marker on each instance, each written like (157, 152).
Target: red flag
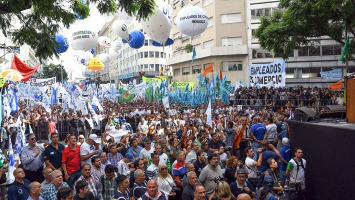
(25, 71)
(220, 73)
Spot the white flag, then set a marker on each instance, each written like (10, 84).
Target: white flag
(166, 102)
(209, 114)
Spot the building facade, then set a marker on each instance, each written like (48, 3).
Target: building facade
(303, 66)
(223, 43)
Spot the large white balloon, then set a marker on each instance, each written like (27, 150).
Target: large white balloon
(79, 57)
(158, 25)
(113, 53)
(88, 56)
(116, 45)
(104, 41)
(119, 28)
(192, 20)
(84, 39)
(105, 57)
(124, 16)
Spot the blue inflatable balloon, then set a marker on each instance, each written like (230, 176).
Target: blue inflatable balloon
(63, 44)
(92, 51)
(137, 39)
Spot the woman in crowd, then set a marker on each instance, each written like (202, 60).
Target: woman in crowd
(273, 172)
(222, 192)
(165, 180)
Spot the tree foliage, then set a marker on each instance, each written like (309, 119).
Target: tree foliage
(41, 19)
(300, 23)
(52, 70)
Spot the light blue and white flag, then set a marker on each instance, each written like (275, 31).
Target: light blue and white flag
(12, 164)
(20, 138)
(95, 103)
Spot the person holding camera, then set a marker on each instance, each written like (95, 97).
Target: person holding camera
(242, 185)
(222, 192)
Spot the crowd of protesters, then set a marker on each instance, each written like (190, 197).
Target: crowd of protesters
(166, 153)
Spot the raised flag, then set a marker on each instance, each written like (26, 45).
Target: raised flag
(25, 71)
(193, 54)
(345, 51)
(208, 69)
(209, 114)
(11, 165)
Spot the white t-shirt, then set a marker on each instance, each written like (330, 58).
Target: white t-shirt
(86, 149)
(249, 162)
(123, 168)
(271, 132)
(297, 177)
(145, 154)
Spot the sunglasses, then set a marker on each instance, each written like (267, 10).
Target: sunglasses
(33, 139)
(164, 168)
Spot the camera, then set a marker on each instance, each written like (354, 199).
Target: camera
(218, 179)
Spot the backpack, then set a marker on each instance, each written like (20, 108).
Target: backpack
(298, 166)
(261, 179)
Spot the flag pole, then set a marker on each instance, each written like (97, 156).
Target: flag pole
(347, 56)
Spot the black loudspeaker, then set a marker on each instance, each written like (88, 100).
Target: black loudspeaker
(335, 107)
(304, 114)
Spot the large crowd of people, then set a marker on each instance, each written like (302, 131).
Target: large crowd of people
(166, 153)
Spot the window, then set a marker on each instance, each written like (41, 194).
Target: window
(232, 66)
(207, 2)
(145, 42)
(161, 54)
(231, 18)
(196, 69)
(267, 11)
(157, 54)
(164, 55)
(327, 50)
(232, 41)
(314, 51)
(303, 52)
(185, 70)
(157, 68)
(337, 49)
(146, 54)
(210, 22)
(151, 42)
(145, 66)
(177, 72)
(208, 44)
(151, 66)
(151, 54)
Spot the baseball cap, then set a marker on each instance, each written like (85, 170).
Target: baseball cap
(94, 137)
(81, 136)
(241, 171)
(285, 141)
(130, 156)
(268, 183)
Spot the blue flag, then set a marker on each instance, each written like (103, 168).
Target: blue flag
(193, 54)
(12, 164)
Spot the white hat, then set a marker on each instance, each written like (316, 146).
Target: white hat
(94, 137)
(285, 141)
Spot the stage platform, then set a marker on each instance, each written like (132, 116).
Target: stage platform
(329, 149)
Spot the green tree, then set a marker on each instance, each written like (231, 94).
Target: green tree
(52, 70)
(301, 23)
(43, 18)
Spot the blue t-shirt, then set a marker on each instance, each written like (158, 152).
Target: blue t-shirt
(18, 191)
(258, 130)
(285, 154)
(54, 155)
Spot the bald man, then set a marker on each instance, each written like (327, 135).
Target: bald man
(35, 189)
(243, 196)
(153, 192)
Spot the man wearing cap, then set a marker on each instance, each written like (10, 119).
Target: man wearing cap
(285, 158)
(32, 160)
(87, 149)
(266, 192)
(241, 185)
(123, 165)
